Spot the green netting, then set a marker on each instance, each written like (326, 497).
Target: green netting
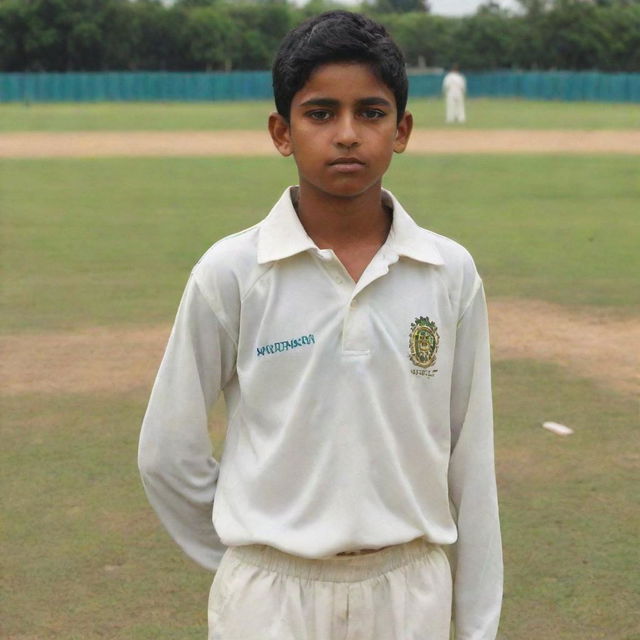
(256, 85)
(557, 85)
(133, 86)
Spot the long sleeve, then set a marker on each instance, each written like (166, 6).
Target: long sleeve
(477, 562)
(178, 470)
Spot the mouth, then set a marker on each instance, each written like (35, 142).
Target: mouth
(346, 160)
(347, 164)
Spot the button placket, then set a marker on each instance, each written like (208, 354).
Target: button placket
(356, 328)
(356, 337)
(334, 269)
(356, 331)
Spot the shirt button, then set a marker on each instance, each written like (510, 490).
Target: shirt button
(338, 279)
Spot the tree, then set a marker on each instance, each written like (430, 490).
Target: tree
(400, 6)
(572, 37)
(492, 7)
(483, 41)
(535, 7)
(260, 29)
(158, 37)
(210, 35)
(14, 27)
(84, 35)
(192, 4)
(119, 28)
(623, 40)
(422, 37)
(62, 35)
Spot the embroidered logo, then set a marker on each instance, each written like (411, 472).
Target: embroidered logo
(423, 346)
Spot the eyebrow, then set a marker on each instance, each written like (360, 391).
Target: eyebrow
(332, 102)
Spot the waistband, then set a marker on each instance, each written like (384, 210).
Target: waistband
(352, 568)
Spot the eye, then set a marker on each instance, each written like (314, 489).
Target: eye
(373, 114)
(320, 115)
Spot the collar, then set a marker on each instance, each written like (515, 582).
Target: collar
(282, 235)
(407, 238)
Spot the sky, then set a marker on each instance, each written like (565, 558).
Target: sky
(463, 7)
(455, 7)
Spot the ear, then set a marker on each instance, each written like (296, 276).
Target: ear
(280, 134)
(403, 132)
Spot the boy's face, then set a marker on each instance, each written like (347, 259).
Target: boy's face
(342, 130)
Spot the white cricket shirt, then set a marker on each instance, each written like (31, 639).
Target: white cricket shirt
(359, 414)
(454, 84)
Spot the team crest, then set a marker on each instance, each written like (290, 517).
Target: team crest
(423, 344)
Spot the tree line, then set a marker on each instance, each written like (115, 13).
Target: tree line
(196, 35)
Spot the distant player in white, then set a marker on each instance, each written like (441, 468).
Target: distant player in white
(454, 87)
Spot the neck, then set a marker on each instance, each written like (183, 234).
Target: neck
(336, 223)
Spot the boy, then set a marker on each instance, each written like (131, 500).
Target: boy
(352, 349)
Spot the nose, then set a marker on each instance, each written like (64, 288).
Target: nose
(347, 132)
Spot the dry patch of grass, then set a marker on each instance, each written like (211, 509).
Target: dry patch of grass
(92, 144)
(106, 359)
(594, 344)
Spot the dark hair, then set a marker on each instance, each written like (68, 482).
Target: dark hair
(337, 36)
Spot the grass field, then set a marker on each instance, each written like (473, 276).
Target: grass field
(110, 242)
(482, 114)
(81, 542)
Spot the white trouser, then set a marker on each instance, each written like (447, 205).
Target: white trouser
(455, 108)
(399, 593)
